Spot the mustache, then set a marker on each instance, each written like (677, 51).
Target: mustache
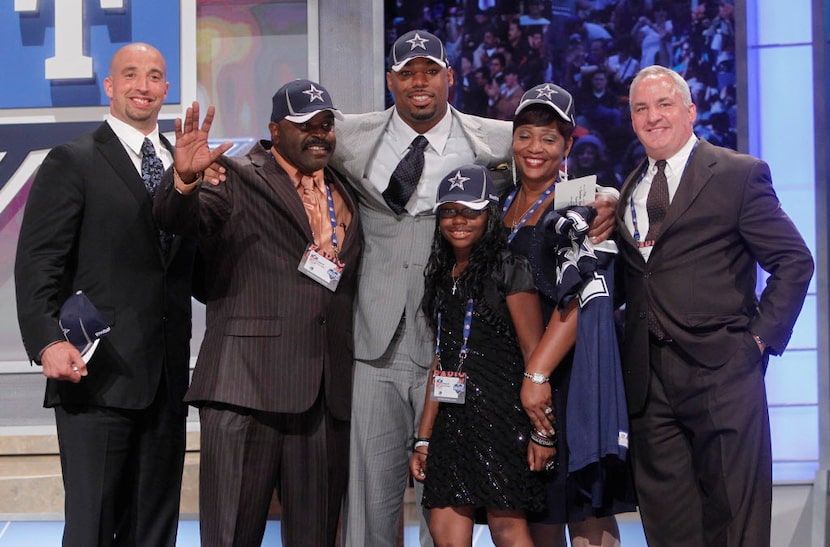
(317, 142)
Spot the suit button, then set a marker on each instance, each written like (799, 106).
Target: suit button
(642, 315)
(646, 275)
(405, 265)
(322, 320)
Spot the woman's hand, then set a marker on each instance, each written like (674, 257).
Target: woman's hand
(418, 465)
(540, 458)
(537, 402)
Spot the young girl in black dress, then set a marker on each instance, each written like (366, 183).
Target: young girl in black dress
(472, 450)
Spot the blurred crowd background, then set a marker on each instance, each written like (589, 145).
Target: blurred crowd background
(592, 48)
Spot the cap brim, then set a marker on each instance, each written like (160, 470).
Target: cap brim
(478, 205)
(302, 118)
(88, 350)
(398, 66)
(550, 105)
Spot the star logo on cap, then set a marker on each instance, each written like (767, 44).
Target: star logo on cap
(458, 181)
(417, 42)
(314, 94)
(546, 92)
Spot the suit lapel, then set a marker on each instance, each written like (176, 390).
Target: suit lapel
(695, 176)
(113, 151)
(625, 202)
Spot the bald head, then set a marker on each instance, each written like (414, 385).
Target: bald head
(137, 85)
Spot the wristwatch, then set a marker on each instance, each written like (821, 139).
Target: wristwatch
(536, 377)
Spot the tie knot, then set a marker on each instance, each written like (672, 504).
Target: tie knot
(147, 148)
(307, 182)
(420, 142)
(661, 165)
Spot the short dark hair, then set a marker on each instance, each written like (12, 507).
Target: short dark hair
(539, 115)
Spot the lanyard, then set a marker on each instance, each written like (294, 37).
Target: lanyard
(462, 353)
(332, 219)
(527, 214)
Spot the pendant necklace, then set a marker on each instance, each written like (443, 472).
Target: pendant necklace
(516, 217)
(454, 279)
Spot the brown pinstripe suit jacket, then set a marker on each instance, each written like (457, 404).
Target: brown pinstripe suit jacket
(274, 336)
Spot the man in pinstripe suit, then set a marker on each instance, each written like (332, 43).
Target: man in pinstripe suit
(280, 240)
(393, 347)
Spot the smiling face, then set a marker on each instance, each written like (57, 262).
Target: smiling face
(462, 232)
(661, 120)
(421, 90)
(137, 86)
(538, 152)
(307, 146)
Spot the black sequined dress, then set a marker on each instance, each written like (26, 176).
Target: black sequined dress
(478, 450)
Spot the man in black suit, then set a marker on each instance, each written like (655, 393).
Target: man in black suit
(88, 226)
(281, 243)
(696, 221)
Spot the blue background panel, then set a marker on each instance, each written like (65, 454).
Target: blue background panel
(28, 39)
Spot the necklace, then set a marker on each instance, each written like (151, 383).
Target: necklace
(454, 278)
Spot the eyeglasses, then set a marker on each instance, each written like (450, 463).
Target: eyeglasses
(466, 212)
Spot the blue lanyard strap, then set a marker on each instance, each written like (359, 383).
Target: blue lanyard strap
(333, 219)
(465, 333)
(527, 214)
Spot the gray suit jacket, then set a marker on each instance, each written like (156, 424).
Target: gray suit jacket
(723, 222)
(274, 335)
(391, 279)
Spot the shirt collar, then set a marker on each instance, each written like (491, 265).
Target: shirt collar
(132, 137)
(676, 163)
(403, 134)
(294, 173)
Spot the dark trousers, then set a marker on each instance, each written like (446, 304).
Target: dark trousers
(701, 451)
(122, 473)
(246, 455)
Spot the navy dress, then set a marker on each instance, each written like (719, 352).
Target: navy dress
(478, 450)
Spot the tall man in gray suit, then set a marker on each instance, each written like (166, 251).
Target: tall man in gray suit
(393, 347)
(281, 243)
(695, 221)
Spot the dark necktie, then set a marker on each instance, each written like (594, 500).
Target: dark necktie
(657, 202)
(406, 175)
(656, 205)
(151, 172)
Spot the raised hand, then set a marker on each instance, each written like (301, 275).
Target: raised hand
(192, 154)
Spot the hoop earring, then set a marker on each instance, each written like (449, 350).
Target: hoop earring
(563, 175)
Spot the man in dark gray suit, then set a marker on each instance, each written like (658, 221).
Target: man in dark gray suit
(696, 221)
(393, 346)
(280, 239)
(88, 226)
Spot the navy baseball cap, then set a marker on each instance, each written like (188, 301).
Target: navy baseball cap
(469, 185)
(82, 324)
(550, 95)
(301, 100)
(414, 44)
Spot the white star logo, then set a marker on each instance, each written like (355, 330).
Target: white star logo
(458, 181)
(546, 92)
(417, 41)
(314, 94)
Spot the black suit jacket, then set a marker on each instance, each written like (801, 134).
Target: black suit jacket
(88, 225)
(274, 336)
(700, 279)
